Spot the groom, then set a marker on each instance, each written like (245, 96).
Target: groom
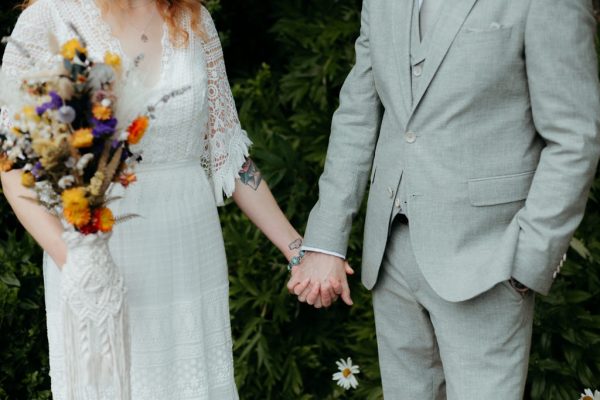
(478, 120)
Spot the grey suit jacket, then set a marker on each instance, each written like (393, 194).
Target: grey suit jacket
(496, 151)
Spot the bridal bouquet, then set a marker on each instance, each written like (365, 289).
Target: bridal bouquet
(68, 141)
(70, 137)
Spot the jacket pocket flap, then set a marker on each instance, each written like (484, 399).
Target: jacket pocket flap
(499, 189)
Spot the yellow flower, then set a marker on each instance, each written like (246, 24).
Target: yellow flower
(112, 59)
(75, 197)
(76, 207)
(70, 48)
(82, 138)
(104, 219)
(27, 179)
(102, 113)
(137, 129)
(30, 114)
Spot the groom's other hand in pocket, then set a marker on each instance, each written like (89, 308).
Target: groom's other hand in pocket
(320, 279)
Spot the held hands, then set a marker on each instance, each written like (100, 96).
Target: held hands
(320, 279)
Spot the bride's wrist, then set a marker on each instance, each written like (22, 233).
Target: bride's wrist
(293, 249)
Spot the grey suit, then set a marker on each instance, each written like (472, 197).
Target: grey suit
(489, 148)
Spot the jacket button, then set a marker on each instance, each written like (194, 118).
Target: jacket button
(410, 137)
(418, 70)
(390, 192)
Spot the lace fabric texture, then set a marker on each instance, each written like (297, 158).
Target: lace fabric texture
(94, 316)
(172, 257)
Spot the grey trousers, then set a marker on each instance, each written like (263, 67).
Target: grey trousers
(430, 348)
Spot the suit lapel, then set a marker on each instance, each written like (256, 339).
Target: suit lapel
(452, 16)
(402, 10)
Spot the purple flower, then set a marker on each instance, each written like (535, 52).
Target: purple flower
(37, 170)
(104, 128)
(54, 104)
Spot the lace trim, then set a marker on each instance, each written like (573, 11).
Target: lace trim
(94, 18)
(226, 144)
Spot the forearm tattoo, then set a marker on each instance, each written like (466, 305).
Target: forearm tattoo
(250, 175)
(295, 245)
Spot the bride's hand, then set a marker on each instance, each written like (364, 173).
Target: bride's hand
(320, 279)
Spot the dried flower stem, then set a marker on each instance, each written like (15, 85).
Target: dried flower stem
(111, 169)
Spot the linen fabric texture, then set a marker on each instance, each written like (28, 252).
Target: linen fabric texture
(430, 348)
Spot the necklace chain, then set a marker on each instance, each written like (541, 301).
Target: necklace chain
(143, 36)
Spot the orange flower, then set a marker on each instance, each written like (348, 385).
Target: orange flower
(82, 138)
(77, 216)
(27, 179)
(5, 164)
(127, 179)
(102, 113)
(137, 129)
(70, 48)
(103, 219)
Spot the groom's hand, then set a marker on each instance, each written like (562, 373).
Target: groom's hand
(320, 279)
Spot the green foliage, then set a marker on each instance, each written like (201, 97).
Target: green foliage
(24, 348)
(287, 60)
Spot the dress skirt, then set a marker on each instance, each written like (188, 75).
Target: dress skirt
(173, 260)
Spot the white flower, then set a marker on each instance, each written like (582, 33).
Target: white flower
(588, 395)
(83, 161)
(46, 194)
(346, 376)
(66, 181)
(123, 136)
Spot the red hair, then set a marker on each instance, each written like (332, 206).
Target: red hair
(172, 12)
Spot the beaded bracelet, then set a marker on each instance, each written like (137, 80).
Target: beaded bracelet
(296, 260)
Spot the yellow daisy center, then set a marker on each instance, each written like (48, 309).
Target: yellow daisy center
(587, 398)
(346, 372)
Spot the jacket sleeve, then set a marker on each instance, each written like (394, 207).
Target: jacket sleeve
(562, 72)
(354, 133)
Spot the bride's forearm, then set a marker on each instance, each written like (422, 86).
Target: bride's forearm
(45, 228)
(254, 198)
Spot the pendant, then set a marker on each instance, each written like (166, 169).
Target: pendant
(144, 38)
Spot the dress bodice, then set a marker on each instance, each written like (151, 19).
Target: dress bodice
(201, 123)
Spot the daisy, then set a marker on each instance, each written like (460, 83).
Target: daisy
(588, 395)
(346, 376)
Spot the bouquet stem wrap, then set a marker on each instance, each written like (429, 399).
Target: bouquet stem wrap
(96, 329)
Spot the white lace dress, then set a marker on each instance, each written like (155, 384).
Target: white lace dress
(173, 256)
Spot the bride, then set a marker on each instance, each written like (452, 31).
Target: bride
(172, 257)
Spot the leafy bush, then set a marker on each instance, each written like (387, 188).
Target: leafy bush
(287, 60)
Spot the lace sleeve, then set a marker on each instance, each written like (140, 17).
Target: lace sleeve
(31, 33)
(225, 143)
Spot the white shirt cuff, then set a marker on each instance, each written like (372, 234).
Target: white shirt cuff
(331, 253)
